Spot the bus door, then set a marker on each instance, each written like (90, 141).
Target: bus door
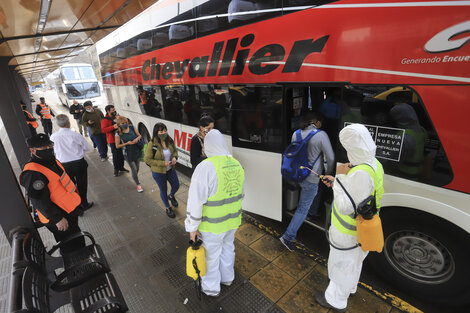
(257, 142)
(301, 98)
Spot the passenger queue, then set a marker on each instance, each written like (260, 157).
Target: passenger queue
(56, 181)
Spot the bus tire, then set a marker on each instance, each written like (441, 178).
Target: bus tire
(425, 256)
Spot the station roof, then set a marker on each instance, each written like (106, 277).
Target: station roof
(41, 35)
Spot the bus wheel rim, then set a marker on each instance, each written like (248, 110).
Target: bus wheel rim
(419, 257)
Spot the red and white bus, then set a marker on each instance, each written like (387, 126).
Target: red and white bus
(402, 68)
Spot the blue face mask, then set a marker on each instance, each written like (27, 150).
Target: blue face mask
(124, 126)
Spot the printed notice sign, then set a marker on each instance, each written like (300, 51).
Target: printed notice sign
(389, 141)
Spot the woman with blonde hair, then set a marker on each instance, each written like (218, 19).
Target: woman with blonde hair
(128, 137)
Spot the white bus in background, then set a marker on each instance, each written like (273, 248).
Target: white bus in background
(77, 81)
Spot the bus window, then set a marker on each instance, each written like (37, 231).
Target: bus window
(257, 117)
(242, 11)
(407, 143)
(181, 31)
(86, 72)
(218, 22)
(150, 100)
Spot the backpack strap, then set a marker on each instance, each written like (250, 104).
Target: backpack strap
(309, 136)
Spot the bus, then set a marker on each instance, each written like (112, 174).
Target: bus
(401, 68)
(77, 81)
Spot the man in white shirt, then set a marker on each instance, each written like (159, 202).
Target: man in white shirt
(70, 148)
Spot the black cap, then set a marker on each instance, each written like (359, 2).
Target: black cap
(42, 98)
(39, 140)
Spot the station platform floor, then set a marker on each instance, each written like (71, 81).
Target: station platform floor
(146, 251)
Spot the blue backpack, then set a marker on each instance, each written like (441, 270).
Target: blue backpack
(296, 156)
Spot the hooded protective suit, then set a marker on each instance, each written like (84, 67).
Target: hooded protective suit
(344, 267)
(220, 249)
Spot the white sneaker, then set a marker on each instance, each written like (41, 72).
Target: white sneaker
(139, 188)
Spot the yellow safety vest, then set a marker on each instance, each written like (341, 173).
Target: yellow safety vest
(347, 223)
(222, 212)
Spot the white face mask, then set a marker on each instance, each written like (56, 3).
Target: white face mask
(89, 110)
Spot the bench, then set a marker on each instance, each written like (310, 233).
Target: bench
(85, 281)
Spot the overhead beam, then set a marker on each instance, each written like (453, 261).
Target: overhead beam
(2, 40)
(52, 50)
(51, 59)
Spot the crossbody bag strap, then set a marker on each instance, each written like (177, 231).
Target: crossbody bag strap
(349, 196)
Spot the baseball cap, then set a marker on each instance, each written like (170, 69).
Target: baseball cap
(39, 140)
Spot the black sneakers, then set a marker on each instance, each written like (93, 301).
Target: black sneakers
(125, 170)
(116, 173)
(320, 299)
(173, 201)
(170, 213)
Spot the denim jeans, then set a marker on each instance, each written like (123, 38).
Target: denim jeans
(134, 165)
(161, 180)
(100, 141)
(118, 157)
(307, 194)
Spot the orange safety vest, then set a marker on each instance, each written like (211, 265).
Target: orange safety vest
(143, 97)
(62, 189)
(32, 123)
(45, 111)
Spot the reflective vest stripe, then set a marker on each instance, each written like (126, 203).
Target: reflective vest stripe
(224, 201)
(188, 214)
(32, 123)
(45, 111)
(343, 223)
(221, 219)
(222, 211)
(346, 223)
(63, 195)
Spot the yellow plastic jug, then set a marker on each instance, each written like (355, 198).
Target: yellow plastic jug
(370, 234)
(195, 260)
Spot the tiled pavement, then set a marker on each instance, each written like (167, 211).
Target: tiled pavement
(146, 252)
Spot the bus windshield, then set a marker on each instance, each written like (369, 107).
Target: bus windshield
(82, 90)
(78, 73)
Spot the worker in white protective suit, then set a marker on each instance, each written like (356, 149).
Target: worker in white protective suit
(214, 210)
(357, 177)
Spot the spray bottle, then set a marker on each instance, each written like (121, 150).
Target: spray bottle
(196, 263)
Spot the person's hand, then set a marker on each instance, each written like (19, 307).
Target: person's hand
(328, 180)
(173, 162)
(115, 126)
(130, 143)
(91, 122)
(76, 111)
(167, 163)
(194, 234)
(343, 168)
(62, 225)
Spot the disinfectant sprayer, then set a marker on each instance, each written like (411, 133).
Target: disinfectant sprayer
(196, 263)
(368, 224)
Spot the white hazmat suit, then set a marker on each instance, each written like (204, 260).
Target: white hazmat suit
(344, 267)
(220, 249)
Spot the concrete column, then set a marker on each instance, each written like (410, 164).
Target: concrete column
(14, 211)
(11, 113)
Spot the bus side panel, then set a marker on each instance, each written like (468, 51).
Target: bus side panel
(262, 177)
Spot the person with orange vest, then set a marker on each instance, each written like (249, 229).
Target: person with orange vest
(30, 120)
(53, 194)
(45, 114)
